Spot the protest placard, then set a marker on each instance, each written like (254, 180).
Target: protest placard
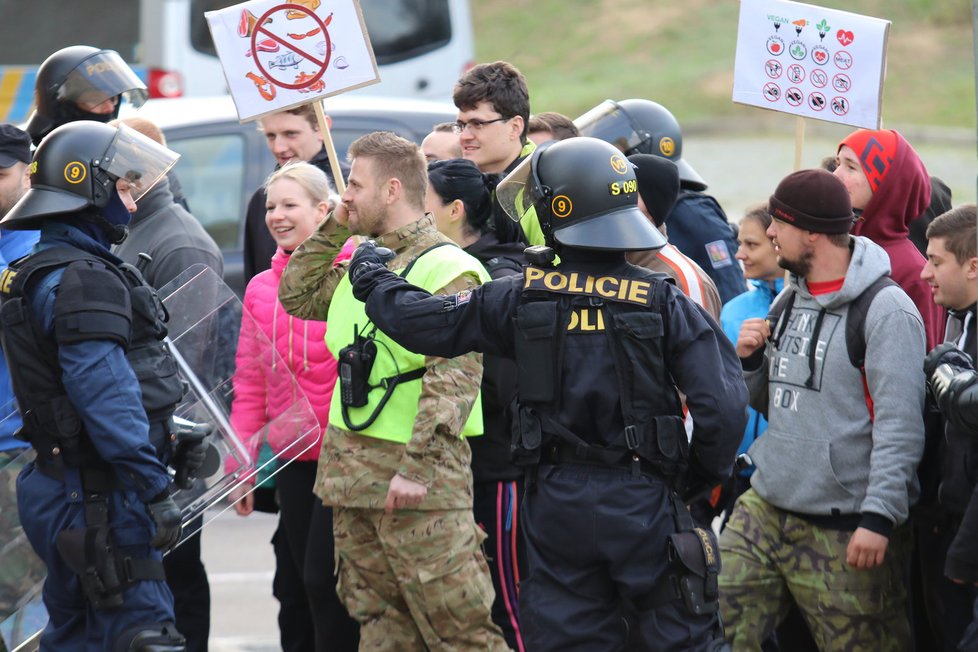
(811, 61)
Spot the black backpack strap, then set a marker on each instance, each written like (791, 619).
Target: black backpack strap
(390, 383)
(782, 304)
(856, 320)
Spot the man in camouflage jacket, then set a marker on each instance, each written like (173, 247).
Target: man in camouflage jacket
(411, 570)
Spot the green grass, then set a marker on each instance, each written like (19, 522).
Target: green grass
(575, 53)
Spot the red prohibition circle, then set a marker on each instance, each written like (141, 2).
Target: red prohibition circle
(291, 46)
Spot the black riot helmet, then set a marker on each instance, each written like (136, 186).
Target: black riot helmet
(76, 167)
(74, 81)
(585, 194)
(640, 127)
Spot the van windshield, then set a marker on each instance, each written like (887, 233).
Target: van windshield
(398, 29)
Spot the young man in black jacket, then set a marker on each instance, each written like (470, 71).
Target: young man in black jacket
(951, 273)
(292, 135)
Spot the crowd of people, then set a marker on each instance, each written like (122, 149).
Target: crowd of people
(562, 403)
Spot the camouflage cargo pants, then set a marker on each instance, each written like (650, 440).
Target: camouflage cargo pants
(771, 558)
(415, 580)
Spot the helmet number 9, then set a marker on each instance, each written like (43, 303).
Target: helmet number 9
(75, 172)
(627, 187)
(561, 206)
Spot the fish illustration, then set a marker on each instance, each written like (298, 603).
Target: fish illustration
(287, 60)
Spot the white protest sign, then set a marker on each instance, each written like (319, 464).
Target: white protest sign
(277, 55)
(811, 61)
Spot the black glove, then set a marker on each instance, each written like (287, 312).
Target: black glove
(368, 256)
(190, 457)
(946, 353)
(189, 451)
(166, 515)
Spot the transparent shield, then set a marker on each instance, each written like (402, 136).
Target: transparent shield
(21, 571)
(512, 192)
(139, 160)
(206, 320)
(609, 123)
(99, 78)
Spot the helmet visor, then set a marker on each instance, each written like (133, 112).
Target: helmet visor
(608, 122)
(514, 192)
(520, 190)
(99, 79)
(139, 160)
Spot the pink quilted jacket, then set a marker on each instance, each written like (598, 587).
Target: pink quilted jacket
(262, 387)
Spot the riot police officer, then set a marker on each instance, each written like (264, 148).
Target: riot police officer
(96, 386)
(603, 348)
(81, 83)
(697, 224)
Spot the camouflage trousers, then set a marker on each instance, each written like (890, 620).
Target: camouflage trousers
(771, 557)
(415, 580)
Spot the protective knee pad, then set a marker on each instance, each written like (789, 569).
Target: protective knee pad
(152, 637)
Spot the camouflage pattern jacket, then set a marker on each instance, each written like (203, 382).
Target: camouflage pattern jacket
(355, 470)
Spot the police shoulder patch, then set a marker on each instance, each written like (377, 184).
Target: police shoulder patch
(718, 254)
(457, 300)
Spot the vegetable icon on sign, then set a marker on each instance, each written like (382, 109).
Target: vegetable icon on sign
(823, 29)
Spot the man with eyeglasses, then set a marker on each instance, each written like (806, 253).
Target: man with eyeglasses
(493, 113)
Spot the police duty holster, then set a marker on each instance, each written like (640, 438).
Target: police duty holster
(695, 556)
(91, 554)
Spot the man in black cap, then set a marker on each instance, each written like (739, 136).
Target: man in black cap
(15, 156)
(836, 367)
(22, 569)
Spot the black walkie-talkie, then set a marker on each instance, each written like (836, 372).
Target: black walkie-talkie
(355, 363)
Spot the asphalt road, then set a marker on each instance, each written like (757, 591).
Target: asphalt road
(240, 564)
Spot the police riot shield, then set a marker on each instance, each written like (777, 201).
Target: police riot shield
(207, 325)
(22, 572)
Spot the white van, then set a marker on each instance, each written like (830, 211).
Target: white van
(421, 46)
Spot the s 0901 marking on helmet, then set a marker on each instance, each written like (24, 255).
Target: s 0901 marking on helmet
(561, 206)
(75, 172)
(616, 188)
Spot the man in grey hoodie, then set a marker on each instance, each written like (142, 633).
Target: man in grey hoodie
(821, 524)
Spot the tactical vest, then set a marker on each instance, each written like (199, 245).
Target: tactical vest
(392, 418)
(136, 322)
(631, 306)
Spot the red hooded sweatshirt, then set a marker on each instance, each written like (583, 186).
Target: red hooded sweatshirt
(901, 191)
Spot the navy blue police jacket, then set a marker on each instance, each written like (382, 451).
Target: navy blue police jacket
(99, 381)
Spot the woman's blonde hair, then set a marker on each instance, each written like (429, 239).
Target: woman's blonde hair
(313, 180)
